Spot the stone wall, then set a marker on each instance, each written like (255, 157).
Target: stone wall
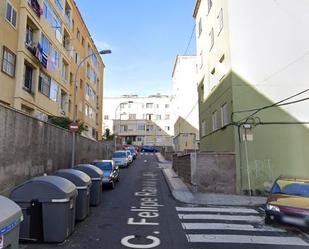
(29, 147)
(182, 166)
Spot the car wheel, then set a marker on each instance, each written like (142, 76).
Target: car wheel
(112, 185)
(117, 180)
(268, 220)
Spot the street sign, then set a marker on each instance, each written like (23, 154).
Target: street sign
(73, 127)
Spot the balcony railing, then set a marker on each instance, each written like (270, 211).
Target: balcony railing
(34, 4)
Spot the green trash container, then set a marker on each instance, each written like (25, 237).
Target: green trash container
(10, 218)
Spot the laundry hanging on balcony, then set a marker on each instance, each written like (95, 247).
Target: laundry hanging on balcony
(34, 4)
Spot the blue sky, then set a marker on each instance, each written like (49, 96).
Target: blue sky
(145, 37)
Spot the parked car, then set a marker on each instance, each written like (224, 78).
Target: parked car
(130, 156)
(148, 148)
(120, 158)
(288, 202)
(110, 170)
(133, 152)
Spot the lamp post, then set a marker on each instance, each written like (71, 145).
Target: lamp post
(74, 99)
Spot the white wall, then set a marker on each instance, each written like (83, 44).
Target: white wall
(269, 42)
(185, 96)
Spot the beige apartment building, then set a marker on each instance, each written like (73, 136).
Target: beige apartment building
(42, 42)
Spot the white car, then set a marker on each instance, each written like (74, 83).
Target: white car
(120, 158)
(130, 156)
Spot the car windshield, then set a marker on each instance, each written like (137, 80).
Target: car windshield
(119, 154)
(131, 150)
(104, 165)
(289, 187)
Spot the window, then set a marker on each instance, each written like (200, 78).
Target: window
(209, 5)
(167, 105)
(148, 116)
(214, 121)
(132, 116)
(83, 41)
(54, 91)
(224, 115)
(51, 17)
(78, 34)
(81, 83)
(29, 36)
(106, 117)
(212, 38)
(64, 102)
(200, 27)
(77, 58)
(8, 62)
(203, 128)
(149, 128)
(149, 105)
(167, 116)
(28, 77)
(11, 14)
(44, 84)
(158, 117)
(123, 128)
(65, 71)
(59, 4)
(140, 127)
(220, 20)
(90, 93)
(167, 128)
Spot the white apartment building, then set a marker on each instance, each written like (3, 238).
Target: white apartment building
(253, 78)
(185, 102)
(139, 120)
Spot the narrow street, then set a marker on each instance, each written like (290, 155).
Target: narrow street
(141, 213)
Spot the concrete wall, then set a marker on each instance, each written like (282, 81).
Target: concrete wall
(214, 172)
(209, 172)
(29, 147)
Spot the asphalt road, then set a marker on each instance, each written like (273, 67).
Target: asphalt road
(141, 213)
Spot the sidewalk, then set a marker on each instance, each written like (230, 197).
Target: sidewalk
(183, 194)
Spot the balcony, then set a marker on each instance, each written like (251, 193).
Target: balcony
(35, 6)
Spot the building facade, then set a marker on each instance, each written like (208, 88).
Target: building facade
(252, 84)
(140, 120)
(185, 118)
(42, 42)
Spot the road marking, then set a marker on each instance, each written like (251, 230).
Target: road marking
(145, 161)
(219, 210)
(142, 153)
(225, 226)
(245, 239)
(146, 154)
(220, 217)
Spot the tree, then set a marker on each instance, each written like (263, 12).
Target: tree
(107, 135)
(64, 123)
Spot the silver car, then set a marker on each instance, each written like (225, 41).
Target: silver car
(120, 158)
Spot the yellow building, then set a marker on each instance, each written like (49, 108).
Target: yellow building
(42, 42)
(186, 136)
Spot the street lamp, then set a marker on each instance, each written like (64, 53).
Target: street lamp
(107, 51)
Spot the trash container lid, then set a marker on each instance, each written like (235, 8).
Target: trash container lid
(45, 189)
(79, 178)
(10, 215)
(94, 172)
